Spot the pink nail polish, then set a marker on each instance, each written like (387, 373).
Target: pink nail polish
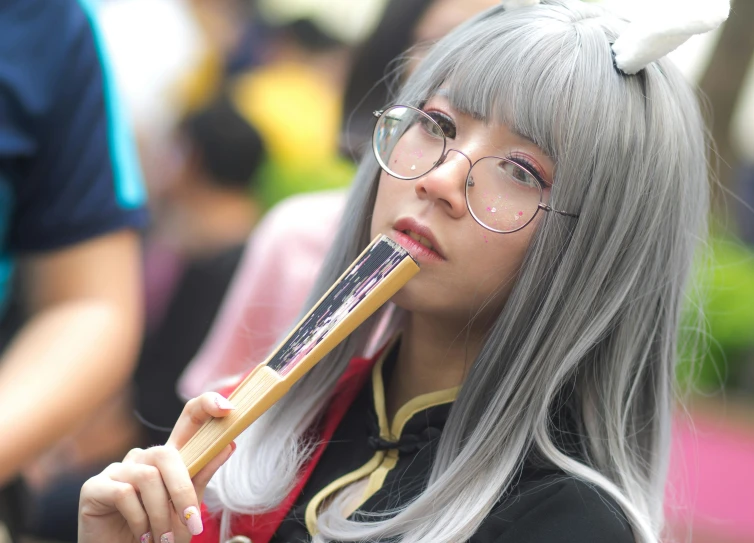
(146, 538)
(193, 520)
(167, 538)
(223, 403)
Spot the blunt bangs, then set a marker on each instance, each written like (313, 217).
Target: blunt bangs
(548, 77)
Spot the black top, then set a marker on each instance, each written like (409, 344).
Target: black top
(545, 505)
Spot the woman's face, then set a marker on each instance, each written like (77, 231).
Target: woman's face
(468, 270)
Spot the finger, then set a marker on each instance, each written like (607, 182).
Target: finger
(202, 478)
(198, 411)
(101, 494)
(155, 498)
(178, 484)
(132, 457)
(146, 480)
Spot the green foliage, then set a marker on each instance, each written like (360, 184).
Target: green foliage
(726, 295)
(277, 181)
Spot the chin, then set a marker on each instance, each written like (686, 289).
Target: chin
(405, 299)
(412, 300)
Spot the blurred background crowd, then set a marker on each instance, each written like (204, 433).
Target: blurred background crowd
(235, 107)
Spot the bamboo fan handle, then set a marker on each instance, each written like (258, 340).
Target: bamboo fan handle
(263, 388)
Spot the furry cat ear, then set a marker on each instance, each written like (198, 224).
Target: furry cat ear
(669, 25)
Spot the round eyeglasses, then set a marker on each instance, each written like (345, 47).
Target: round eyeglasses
(501, 195)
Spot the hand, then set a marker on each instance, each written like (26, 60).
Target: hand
(150, 497)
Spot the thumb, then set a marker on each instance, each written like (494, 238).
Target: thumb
(202, 478)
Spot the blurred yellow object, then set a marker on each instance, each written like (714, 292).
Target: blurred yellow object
(298, 113)
(295, 108)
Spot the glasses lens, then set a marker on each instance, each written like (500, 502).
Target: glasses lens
(502, 195)
(407, 142)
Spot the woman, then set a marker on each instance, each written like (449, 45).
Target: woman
(554, 203)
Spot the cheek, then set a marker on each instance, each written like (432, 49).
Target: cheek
(380, 207)
(498, 259)
(387, 195)
(507, 246)
(496, 272)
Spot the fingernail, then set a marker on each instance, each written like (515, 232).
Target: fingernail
(193, 520)
(167, 538)
(146, 538)
(223, 403)
(232, 448)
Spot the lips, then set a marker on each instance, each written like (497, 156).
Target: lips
(421, 239)
(418, 237)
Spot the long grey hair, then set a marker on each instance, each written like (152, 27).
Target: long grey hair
(591, 325)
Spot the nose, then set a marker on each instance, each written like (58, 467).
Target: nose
(446, 183)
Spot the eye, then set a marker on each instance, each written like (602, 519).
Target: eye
(519, 174)
(430, 128)
(446, 123)
(530, 167)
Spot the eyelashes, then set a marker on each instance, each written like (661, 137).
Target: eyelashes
(525, 162)
(446, 123)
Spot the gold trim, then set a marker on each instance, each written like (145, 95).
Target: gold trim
(420, 403)
(313, 507)
(377, 478)
(314, 504)
(382, 462)
(378, 390)
(404, 414)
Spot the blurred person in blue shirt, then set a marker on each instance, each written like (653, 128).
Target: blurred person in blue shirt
(204, 221)
(71, 202)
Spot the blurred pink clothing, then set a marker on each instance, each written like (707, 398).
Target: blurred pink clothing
(279, 267)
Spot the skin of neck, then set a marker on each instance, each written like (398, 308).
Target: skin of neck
(434, 354)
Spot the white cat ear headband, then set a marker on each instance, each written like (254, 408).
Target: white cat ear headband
(658, 33)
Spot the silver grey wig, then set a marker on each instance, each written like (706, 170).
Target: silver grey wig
(591, 325)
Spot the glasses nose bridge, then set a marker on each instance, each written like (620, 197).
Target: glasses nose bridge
(444, 157)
